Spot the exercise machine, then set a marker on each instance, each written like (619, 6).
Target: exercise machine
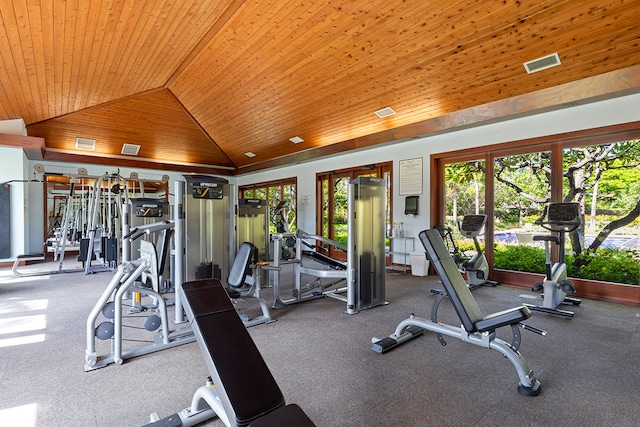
(326, 278)
(246, 271)
(137, 276)
(141, 212)
(240, 390)
(363, 274)
(65, 229)
(103, 209)
(142, 277)
(252, 225)
(476, 328)
(204, 231)
(476, 267)
(280, 216)
(561, 218)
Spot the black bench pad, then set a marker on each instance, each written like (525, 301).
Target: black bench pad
(503, 318)
(287, 416)
(460, 295)
(230, 352)
(32, 256)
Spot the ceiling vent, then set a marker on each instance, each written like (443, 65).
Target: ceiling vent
(385, 112)
(542, 63)
(130, 149)
(85, 144)
(296, 140)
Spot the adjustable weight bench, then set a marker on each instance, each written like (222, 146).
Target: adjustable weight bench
(241, 390)
(476, 328)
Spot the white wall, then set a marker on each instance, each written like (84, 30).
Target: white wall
(13, 127)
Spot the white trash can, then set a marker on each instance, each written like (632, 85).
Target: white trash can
(419, 263)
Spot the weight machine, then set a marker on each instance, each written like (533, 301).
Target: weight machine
(364, 271)
(142, 277)
(203, 233)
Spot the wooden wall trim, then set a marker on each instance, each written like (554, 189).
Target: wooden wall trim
(56, 156)
(601, 291)
(33, 146)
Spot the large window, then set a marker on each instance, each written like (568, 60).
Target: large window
(281, 197)
(513, 182)
(332, 201)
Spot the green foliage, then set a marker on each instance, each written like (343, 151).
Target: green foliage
(340, 234)
(609, 265)
(519, 258)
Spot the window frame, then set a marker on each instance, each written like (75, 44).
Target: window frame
(555, 144)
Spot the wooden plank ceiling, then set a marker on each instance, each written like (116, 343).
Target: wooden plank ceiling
(199, 84)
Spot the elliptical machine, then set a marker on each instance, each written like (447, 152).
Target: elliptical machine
(560, 218)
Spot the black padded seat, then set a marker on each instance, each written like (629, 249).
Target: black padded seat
(240, 268)
(461, 298)
(503, 318)
(546, 238)
(38, 256)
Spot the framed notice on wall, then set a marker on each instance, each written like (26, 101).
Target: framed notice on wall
(411, 177)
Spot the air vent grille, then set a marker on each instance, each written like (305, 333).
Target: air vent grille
(542, 63)
(130, 149)
(85, 144)
(385, 112)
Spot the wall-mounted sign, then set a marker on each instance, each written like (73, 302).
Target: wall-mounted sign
(411, 177)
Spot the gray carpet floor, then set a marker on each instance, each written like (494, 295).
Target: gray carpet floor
(322, 360)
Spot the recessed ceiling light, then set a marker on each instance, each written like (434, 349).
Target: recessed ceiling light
(249, 154)
(296, 140)
(542, 63)
(385, 112)
(85, 143)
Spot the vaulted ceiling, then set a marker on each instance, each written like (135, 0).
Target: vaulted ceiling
(199, 84)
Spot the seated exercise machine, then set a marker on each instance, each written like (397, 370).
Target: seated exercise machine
(141, 278)
(241, 390)
(476, 267)
(239, 277)
(476, 329)
(136, 278)
(561, 218)
(333, 270)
